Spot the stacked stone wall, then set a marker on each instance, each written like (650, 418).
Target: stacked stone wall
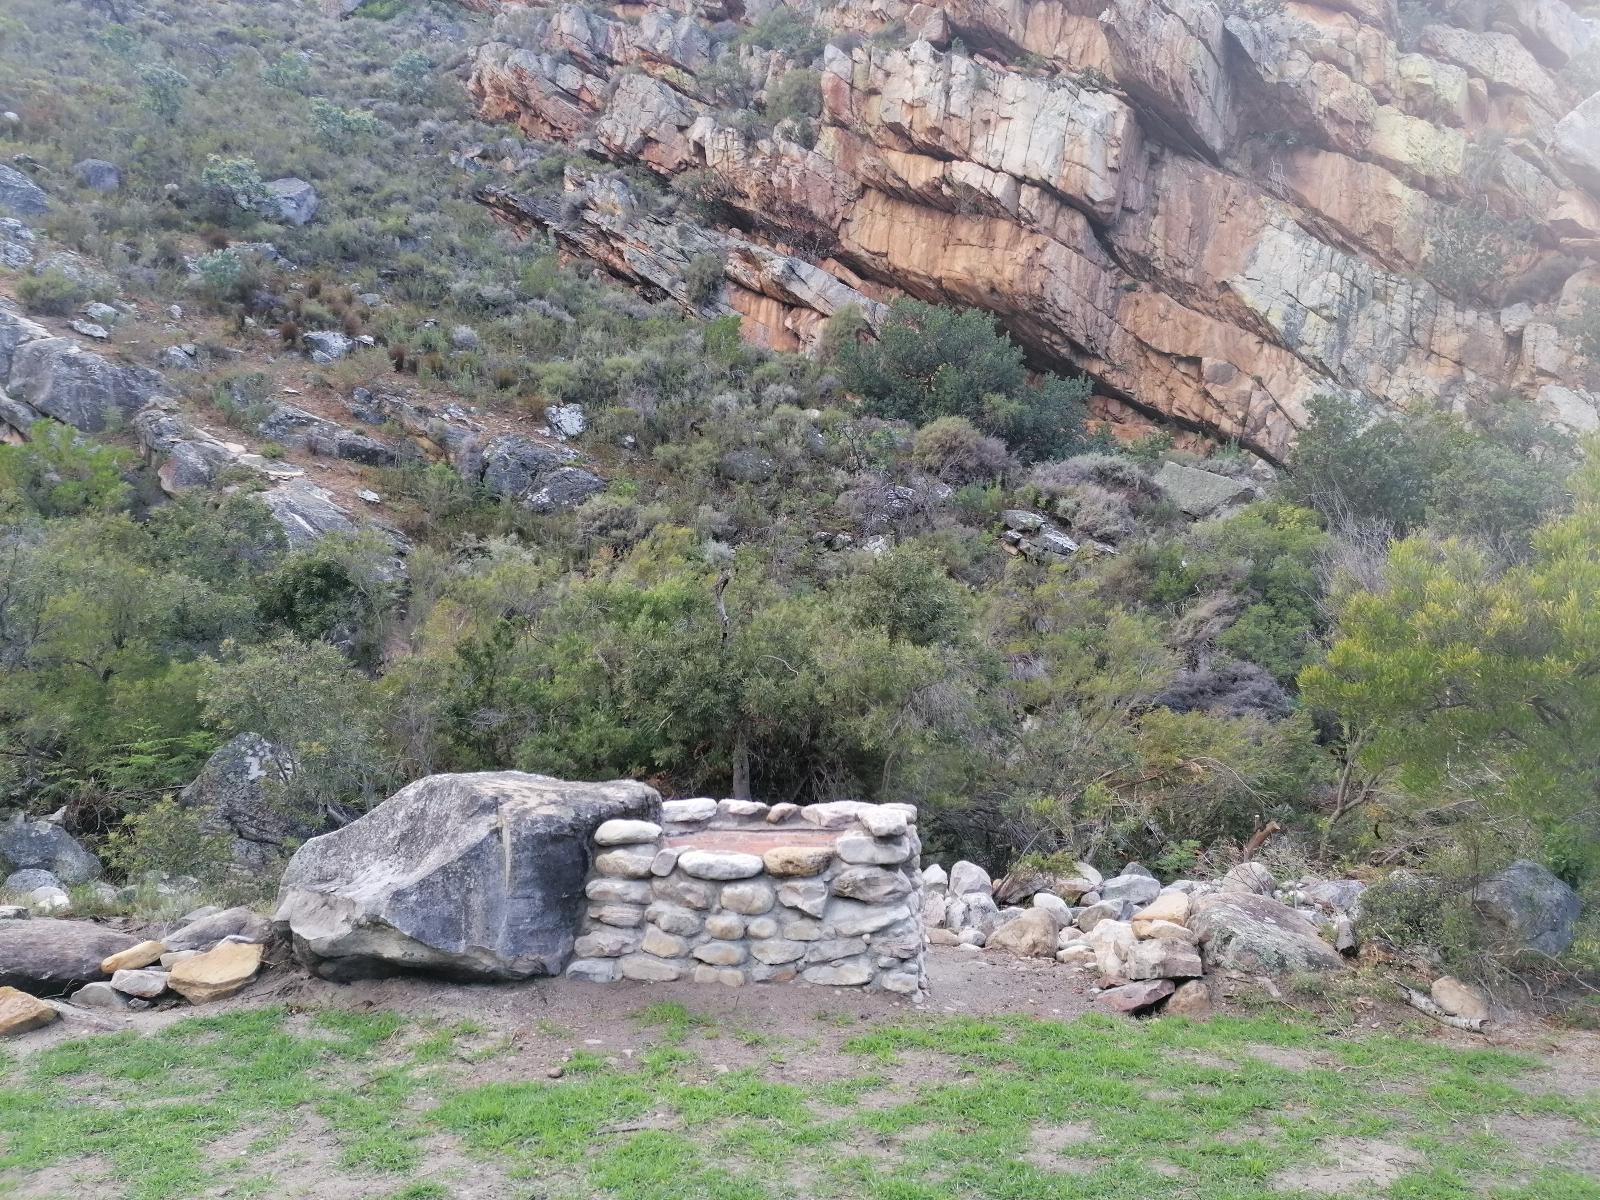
(734, 892)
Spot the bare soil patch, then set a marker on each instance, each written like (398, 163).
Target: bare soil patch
(1358, 1163)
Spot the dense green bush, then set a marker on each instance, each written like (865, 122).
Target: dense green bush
(929, 362)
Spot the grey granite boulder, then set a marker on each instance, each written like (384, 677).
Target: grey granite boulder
(97, 175)
(1200, 493)
(45, 846)
(1246, 932)
(237, 790)
(471, 876)
(1530, 907)
(49, 957)
(292, 201)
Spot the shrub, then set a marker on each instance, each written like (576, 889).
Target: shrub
(51, 293)
(289, 71)
(413, 76)
(953, 449)
(703, 278)
(220, 274)
(164, 90)
(339, 128)
(169, 840)
(232, 186)
(930, 362)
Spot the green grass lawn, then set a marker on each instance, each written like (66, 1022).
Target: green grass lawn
(266, 1102)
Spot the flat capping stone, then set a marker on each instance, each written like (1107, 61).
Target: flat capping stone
(750, 840)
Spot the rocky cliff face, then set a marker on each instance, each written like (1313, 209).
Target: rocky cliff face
(1217, 212)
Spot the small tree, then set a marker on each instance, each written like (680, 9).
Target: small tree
(164, 90)
(413, 76)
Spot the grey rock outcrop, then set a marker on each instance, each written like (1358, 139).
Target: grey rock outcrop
(21, 195)
(475, 875)
(60, 379)
(1530, 907)
(45, 846)
(50, 957)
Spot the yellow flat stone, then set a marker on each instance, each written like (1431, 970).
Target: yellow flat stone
(134, 957)
(216, 974)
(20, 1012)
(1169, 906)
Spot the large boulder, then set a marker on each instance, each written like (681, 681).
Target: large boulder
(97, 175)
(474, 876)
(1200, 493)
(293, 201)
(48, 957)
(21, 195)
(237, 790)
(1032, 935)
(60, 379)
(1247, 932)
(45, 846)
(1532, 909)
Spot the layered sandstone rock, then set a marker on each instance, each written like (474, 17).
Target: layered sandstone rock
(1218, 213)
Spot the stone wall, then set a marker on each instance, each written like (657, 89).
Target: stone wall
(736, 892)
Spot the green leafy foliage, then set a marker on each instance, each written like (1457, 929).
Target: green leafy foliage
(929, 362)
(1470, 681)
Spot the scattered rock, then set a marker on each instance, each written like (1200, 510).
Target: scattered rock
(60, 379)
(99, 995)
(1459, 999)
(328, 345)
(966, 878)
(566, 421)
(1191, 999)
(134, 957)
(478, 875)
(20, 1012)
(49, 900)
(240, 922)
(1033, 934)
(1134, 889)
(145, 984)
(1200, 493)
(236, 790)
(1132, 997)
(29, 879)
(216, 974)
(1250, 878)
